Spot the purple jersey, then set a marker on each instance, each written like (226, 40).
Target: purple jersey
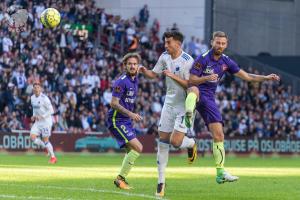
(206, 65)
(126, 90)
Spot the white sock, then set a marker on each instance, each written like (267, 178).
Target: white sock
(50, 149)
(187, 143)
(162, 160)
(39, 142)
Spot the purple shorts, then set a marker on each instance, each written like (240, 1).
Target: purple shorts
(209, 110)
(122, 131)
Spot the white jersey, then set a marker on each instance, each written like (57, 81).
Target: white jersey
(180, 66)
(42, 107)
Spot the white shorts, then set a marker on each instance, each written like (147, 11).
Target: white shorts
(43, 130)
(172, 118)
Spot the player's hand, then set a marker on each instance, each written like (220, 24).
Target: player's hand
(167, 73)
(212, 77)
(33, 118)
(142, 69)
(135, 117)
(36, 118)
(273, 77)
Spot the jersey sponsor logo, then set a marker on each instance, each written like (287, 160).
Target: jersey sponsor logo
(129, 100)
(177, 68)
(130, 93)
(117, 89)
(209, 70)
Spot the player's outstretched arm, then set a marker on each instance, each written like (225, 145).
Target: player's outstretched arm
(116, 105)
(256, 78)
(196, 80)
(148, 73)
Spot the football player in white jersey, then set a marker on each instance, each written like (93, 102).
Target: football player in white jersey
(42, 117)
(175, 64)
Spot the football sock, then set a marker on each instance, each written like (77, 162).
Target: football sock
(128, 162)
(50, 149)
(190, 102)
(162, 160)
(187, 142)
(219, 156)
(39, 142)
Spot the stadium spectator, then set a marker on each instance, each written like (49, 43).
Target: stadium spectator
(77, 74)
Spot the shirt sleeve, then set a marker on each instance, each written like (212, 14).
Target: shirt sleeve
(49, 108)
(188, 67)
(118, 89)
(233, 67)
(160, 65)
(198, 65)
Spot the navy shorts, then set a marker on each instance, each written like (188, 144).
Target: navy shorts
(209, 110)
(122, 130)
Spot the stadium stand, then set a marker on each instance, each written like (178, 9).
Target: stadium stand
(78, 62)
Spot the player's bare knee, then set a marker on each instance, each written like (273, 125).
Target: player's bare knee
(164, 138)
(194, 89)
(32, 137)
(218, 136)
(139, 148)
(45, 139)
(175, 143)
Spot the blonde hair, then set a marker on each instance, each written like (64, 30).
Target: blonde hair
(131, 55)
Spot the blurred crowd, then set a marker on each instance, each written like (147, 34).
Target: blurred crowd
(77, 71)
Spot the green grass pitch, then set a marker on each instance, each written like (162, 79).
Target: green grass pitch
(90, 176)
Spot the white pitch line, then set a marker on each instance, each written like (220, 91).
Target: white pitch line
(9, 196)
(87, 189)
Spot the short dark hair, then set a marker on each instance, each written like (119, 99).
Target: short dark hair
(219, 34)
(131, 55)
(176, 35)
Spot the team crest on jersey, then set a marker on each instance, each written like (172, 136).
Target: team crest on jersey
(117, 89)
(224, 67)
(197, 65)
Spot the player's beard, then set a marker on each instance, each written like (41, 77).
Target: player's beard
(218, 51)
(132, 74)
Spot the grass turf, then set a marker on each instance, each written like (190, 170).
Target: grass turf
(90, 176)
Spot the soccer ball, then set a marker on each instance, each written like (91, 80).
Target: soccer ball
(50, 18)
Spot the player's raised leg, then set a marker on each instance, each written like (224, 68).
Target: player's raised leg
(133, 148)
(219, 153)
(180, 140)
(190, 105)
